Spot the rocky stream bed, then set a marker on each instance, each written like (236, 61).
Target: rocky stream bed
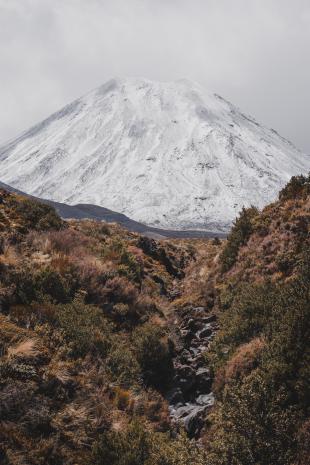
(191, 398)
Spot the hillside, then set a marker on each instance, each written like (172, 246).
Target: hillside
(84, 340)
(260, 357)
(112, 342)
(167, 154)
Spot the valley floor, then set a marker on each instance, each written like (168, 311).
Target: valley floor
(119, 349)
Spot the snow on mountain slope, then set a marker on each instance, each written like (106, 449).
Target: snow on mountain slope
(168, 154)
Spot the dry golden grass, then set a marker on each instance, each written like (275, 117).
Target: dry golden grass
(241, 363)
(26, 349)
(9, 256)
(200, 274)
(122, 398)
(9, 332)
(41, 258)
(60, 370)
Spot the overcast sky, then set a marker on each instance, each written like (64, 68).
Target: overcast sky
(255, 53)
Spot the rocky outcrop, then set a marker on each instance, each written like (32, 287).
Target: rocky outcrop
(173, 262)
(190, 398)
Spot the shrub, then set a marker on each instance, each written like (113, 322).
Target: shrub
(15, 397)
(246, 316)
(35, 313)
(23, 281)
(84, 327)
(1, 242)
(120, 290)
(122, 365)
(253, 425)
(297, 187)
(122, 398)
(244, 360)
(104, 229)
(286, 262)
(239, 235)
(131, 267)
(68, 240)
(123, 448)
(261, 411)
(50, 282)
(216, 241)
(153, 355)
(36, 215)
(139, 446)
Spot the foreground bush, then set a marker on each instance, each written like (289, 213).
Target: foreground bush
(36, 215)
(139, 446)
(240, 233)
(263, 396)
(298, 187)
(153, 355)
(84, 327)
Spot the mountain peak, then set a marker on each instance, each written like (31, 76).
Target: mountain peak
(168, 154)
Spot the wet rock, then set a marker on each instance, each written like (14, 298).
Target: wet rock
(185, 371)
(205, 332)
(205, 399)
(191, 398)
(175, 396)
(194, 351)
(185, 356)
(185, 384)
(185, 333)
(192, 416)
(203, 379)
(194, 422)
(198, 310)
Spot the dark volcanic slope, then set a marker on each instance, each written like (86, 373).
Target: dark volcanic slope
(95, 212)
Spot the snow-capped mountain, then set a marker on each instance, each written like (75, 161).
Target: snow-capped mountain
(168, 154)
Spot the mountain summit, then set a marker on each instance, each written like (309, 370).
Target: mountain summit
(168, 154)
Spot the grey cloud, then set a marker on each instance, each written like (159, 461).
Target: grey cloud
(252, 52)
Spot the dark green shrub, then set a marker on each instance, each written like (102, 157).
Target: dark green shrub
(153, 355)
(245, 318)
(131, 268)
(259, 415)
(122, 365)
(140, 446)
(216, 241)
(84, 327)
(286, 262)
(253, 425)
(23, 282)
(297, 187)
(131, 447)
(36, 215)
(51, 283)
(239, 235)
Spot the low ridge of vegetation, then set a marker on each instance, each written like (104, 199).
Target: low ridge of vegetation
(261, 354)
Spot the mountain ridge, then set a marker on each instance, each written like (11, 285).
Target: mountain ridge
(95, 212)
(167, 154)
